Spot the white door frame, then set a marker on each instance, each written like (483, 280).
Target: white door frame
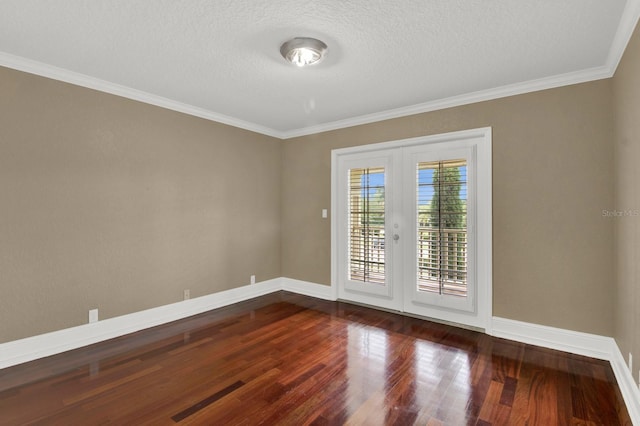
(481, 138)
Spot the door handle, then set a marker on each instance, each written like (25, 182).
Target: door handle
(396, 237)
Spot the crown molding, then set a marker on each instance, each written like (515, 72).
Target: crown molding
(583, 76)
(628, 22)
(78, 79)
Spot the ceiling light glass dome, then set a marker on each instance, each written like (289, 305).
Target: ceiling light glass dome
(303, 51)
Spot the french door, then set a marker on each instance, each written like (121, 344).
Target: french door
(406, 227)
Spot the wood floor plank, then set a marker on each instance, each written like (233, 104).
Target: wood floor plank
(206, 402)
(287, 359)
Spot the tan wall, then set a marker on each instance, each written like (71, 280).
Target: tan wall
(626, 85)
(113, 204)
(552, 177)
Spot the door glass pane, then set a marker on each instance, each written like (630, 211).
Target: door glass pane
(366, 225)
(442, 227)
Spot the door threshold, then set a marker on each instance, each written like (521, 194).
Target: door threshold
(420, 317)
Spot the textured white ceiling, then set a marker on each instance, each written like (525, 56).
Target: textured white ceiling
(220, 58)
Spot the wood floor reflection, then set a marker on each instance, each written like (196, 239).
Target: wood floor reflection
(293, 360)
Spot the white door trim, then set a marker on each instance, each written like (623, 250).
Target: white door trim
(484, 210)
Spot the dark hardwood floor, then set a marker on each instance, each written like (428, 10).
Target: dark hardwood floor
(294, 360)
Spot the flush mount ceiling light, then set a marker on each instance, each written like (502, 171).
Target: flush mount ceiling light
(303, 51)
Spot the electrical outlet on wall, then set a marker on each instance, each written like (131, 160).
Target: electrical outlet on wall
(252, 280)
(187, 294)
(93, 315)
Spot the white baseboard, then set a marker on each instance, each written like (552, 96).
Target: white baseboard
(43, 345)
(308, 289)
(575, 342)
(627, 384)
(560, 339)
(31, 348)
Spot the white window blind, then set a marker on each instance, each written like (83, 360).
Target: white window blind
(442, 227)
(366, 225)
